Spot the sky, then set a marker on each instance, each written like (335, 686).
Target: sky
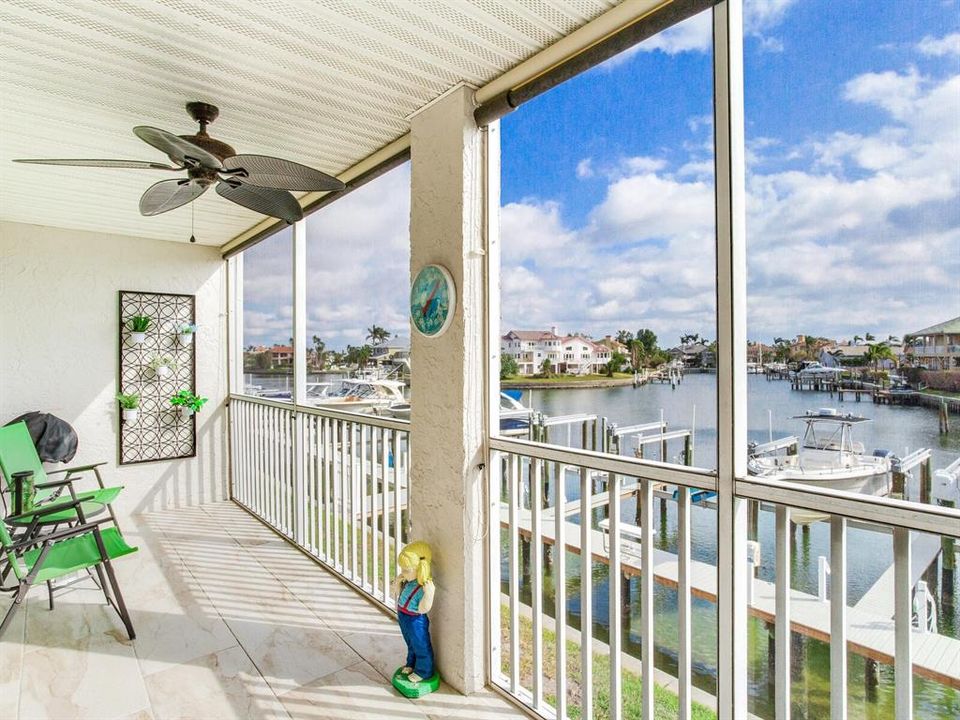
(607, 215)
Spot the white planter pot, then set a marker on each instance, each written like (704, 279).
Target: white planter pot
(131, 414)
(185, 411)
(163, 371)
(186, 338)
(138, 338)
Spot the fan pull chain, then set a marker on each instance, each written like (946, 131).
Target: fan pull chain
(193, 212)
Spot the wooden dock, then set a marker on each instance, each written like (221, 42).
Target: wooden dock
(870, 629)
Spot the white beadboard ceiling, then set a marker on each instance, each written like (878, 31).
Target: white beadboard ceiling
(323, 83)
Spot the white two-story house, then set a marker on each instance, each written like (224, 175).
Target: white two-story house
(570, 354)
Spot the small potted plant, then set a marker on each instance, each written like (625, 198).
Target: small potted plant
(187, 403)
(130, 404)
(163, 366)
(138, 329)
(186, 333)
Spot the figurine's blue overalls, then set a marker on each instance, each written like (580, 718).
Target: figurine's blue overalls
(415, 629)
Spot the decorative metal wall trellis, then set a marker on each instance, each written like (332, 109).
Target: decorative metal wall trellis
(159, 433)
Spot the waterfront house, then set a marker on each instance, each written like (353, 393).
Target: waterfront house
(694, 355)
(936, 347)
(282, 355)
(570, 354)
(396, 348)
(268, 528)
(850, 355)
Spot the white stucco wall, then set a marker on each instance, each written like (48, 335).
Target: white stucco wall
(58, 348)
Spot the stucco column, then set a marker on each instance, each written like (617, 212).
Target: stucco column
(446, 431)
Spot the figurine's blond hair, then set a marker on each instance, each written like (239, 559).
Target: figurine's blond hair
(416, 556)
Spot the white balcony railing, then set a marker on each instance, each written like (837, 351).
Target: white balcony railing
(626, 615)
(335, 484)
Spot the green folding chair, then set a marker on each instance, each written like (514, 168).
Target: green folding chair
(18, 455)
(45, 558)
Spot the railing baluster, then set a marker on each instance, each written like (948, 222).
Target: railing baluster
(258, 460)
(270, 480)
(616, 702)
(270, 467)
(335, 477)
(354, 488)
(512, 562)
(384, 514)
(314, 514)
(374, 513)
(646, 595)
(782, 629)
(684, 659)
(324, 459)
(560, 586)
(286, 467)
(838, 618)
(364, 569)
(535, 475)
(586, 595)
(277, 480)
(344, 499)
(317, 487)
(903, 623)
(397, 489)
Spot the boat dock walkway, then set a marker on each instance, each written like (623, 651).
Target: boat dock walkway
(870, 629)
(878, 600)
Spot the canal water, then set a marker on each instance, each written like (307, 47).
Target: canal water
(870, 553)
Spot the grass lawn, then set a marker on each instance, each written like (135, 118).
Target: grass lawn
(565, 378)
(666, 704)
(945, 393)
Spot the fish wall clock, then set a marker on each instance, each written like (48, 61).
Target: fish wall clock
(433, 300)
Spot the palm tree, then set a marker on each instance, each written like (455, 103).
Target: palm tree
(624, 337)
(869, 337)
(319, 352)
(363, 355)
(893, 340)
(377, 335)
(857, 339)
(638, 353)
(877, 353)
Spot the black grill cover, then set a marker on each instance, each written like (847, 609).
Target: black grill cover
(55, 439)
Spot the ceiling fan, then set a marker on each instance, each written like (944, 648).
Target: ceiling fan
(258, 182)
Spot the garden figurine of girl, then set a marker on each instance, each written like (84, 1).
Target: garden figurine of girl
(414, 590)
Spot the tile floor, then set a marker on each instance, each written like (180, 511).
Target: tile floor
(231, 623)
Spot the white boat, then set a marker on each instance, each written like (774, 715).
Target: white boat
(353, 395)
(828, 456)
(816, 370)
(514, 416)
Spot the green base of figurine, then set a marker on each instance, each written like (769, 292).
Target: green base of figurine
(412, 689)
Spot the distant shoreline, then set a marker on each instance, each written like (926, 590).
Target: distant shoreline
(533, 384)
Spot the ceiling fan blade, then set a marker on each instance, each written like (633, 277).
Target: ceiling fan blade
(269, 201)
(176, 148)
(272, 172)
(169, 194)
(132, 164)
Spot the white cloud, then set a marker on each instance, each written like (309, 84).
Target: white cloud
(358, 269)
(761, 15)
(585, 168)
(864, 233)
(938, 47)
(695, 34)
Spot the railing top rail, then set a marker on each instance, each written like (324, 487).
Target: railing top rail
(698, 478)
(868, 508)
(362, 418)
